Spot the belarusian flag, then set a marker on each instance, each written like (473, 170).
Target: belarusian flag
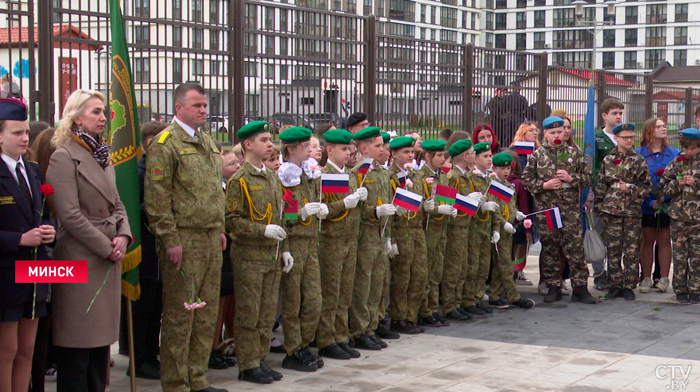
(445, 194)
(292, 210)
(125, 150)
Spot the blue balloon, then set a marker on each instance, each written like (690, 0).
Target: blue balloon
(3, 71)
(23, 72)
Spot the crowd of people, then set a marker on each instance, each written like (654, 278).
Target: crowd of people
(343, 237)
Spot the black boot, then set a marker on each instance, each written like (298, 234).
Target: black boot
(581, 294)
(384, 332)
(319, 361)
(275, 375)
(346, 347)
(553, 295)
(300, 361)
(363, 342)
(615, 292)
(255, 375)
(456, 315)
(378, 340)
(333, 351)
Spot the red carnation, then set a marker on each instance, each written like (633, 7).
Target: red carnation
(557, 142)
(617, 161)
(46, 190)
(681, 159)
(287, 196)
(660, 172)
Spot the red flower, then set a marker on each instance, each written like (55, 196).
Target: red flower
(617, 161)
(681, 159)
(660, 172)
(287, 196)
(46, 190)
(557, 142)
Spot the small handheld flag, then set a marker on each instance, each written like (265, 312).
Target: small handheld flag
(445, 194)
(365, 166)
(445, 169)
(407, 199)
(524, 148)
(292, 210)
(466, 205)
(501, 191)
(335, 183)
(553, 218)
(402, 179)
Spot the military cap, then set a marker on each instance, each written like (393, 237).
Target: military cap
(295, 134)
(338, 136)
(502, 159)
(355, 119)
(433, 145)
(386, 137)
(459, 147)
(367, 133)
(690, 133)
(481, 147)
(401, 142)
(253, 128)
(12, 109)
(623, 127)
(552, 122)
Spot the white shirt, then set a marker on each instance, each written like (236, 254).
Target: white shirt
(259, 169)
(480, 172)
(460, 168)
(12, 166)
(336, 167)
(190, 131)
(611, 137)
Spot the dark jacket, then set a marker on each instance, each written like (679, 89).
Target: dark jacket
(16, 218)
(150, 266)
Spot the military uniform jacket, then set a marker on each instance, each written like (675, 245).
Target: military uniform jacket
(633, 170)
(340, 221)
(685, 200)
(410, 219)
(378, 184)
(436, 220)
(507, 210)
(542, 167)
(481, 184)
(305, 192)
(603, 147)
(458, 180)
(253, 201)
(183, 185)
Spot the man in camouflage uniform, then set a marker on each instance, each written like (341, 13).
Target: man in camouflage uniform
(185, 208)
(623, 184)
(555, 173)
(681, 182)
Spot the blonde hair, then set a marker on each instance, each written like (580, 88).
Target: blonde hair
(75, 106)
(522, 130)
(239, 151)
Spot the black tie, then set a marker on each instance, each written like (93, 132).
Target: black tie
(23, 184)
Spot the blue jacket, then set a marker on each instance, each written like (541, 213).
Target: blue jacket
(655, 162)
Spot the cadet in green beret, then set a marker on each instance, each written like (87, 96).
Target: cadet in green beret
(253, 207)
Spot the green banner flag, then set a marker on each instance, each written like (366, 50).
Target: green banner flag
(125, 149)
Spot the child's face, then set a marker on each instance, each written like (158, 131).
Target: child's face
(259, 145)
(373, 149)
(567, 131)
(483, 160)
(470, 157)
(402, 156)
(385, 154)
(230, 165)
(436, 160)
(301, 152)
(691, 151)
(339, 153)
(625, 139)
(485, 136)
(531, 134)
(315, 149)
(554, 134)
(613, 117)
(502, 171)
(273, 162)
(354, 156)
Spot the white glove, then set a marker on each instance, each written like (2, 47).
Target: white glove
(445, 209)
(401, 211)
(362, 192)
(429, 205)
(309, 209)
(385, 210)
(520, 216)
(394, 251)
(454, 212)
(323, 212)
(288, 262)
(388, 245)
(495, 237)
(490, 206)
(351, 201)
(275, 232)
(475, 195)
(509, 228)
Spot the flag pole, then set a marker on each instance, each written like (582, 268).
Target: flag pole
(387, 220)
(132, 361)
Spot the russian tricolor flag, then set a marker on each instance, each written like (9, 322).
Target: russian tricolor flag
(402, 178)
(466, 205)
(553, 218)
(365, 166)
(524, 148)
(408, 200)
(335, 183)
(501, 191)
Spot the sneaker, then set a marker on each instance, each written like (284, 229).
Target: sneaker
(364, 342)
(645, 286)
(346, 347)
(694, 298)
(379, 341)
(553, 295)
(601, 281)
(682, 298)
(521, 279)
(615, 292)
(385, 333)
(499, 304)
(524, 303)
(581, 294)
(473, 310)
(404, 326)
(443, 321)
(319, 361)
(456, 315)
(542, 288)
(421, 328)
(565, 288)
(217, 360)
(274, 374)
(487, 309)
(431, 322)
(628, 294)
(663, 284)
(300, 361)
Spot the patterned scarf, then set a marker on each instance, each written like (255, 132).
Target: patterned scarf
(98, 148)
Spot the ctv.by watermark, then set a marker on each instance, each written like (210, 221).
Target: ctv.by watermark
(678, 376)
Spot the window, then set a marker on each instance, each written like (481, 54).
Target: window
(367, 8)
(656, 13)
(653, 57)
(351, 6)
(448, 17)
(197, 11)
(250, 68)
(680, 58)
(488, 4)
(432, 34)
(250, 43)
(402, 10)
(251, 16)
(283, 20)
(465, 20)
(501, 21)
(500, 41)
(214, 11)
(177, 71)
(269, 71)
(423, 12)
(540, 3)
(608, 38)
(448, 36)
(539, 41)
(284, 72)
(142, 70)
(450, 2)
(269, 21)
(680, 36)
(656, 36)
(197, 38)
(197, 67)
(422, 33)
(405, 30)
(433, 14)
(214, 67)
(318, 4)
(609, 60)
(380, 8)
(501, 4)
(489, 21)
(609, 17)
(631, 37)
(283, 46)
(269, 44)
(572, 39)
(631, 15)
(473, 26)
(214, 39)
(630, 60)
(681, 12)
(520, 20)
(337, 5)
(142, 8)
(521, 4)
(142, 34)
(177, 36)
(572, 59)
(57, 16)
(539, 18)
(566, 17)
(521, 41)
(489, 40)
(177, 9)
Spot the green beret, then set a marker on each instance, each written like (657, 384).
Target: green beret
(401, 142)
(502, 159)
(552, 122)
(253, 128)
(386, 137)
(295, 134)
(367, 133)
(459, 147)
(433, 145)
(481, 147)
(623, 127)
(338, 136)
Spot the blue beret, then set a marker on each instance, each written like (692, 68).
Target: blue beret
(552, 122)
(690, 133)
(623, 127)
(12, 109)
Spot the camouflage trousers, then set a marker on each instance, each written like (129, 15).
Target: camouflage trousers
(301, 295)
(623, 235)
(478, 264)
(409, 273)
(337, 257)
(187, 335)
(256, 274)
(455, 266)
(567, 240)
(502, 270)
(435, 240)
(369, 279)
(686, 256)
(381, 308)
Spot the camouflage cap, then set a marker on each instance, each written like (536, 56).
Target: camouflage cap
(623, 127)
(367, 133)
(433, 145)
(401, 142)
(502, 159)
(459, 147)
(253, 128)
(295, 134)
(338, 136)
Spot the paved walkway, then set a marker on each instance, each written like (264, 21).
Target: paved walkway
(611, 346)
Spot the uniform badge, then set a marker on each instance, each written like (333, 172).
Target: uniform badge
(157, 173)
(230, 204)
(7, 200)
(188, 151)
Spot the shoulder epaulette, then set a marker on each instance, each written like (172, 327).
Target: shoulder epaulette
(164, 136)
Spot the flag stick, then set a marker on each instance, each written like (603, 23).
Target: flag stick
(132, 361)
(387, 221)
(320, 200)
(537, 212)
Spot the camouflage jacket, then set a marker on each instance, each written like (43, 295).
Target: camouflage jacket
(182, 185)
(458, 180)
(631, 168)
(685, 200)
(340, 221)
(508, 210)
(493, 222)
(542, 167)
(411, 219)
(378, 185)
(305, 192)
(437, 221)
(253, 201)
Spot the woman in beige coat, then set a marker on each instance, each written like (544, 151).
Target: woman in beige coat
(93, 227)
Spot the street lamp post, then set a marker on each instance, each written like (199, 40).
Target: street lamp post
(594, 23)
